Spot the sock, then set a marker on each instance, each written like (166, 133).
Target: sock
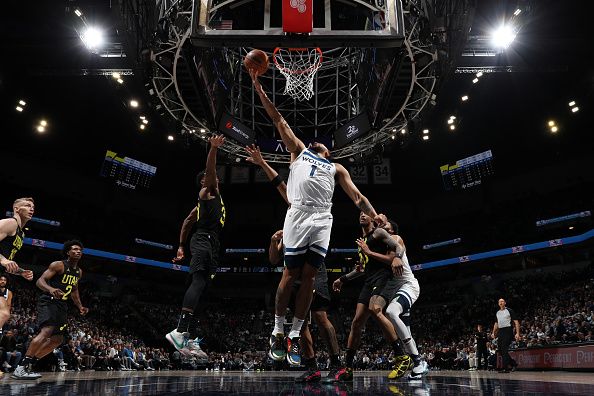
(397, 348)
(296, 329)
(334, 361)
(350, 357)
(410, 346)
(193, 329)
(184, 321)
(310, 363)
(279, 325)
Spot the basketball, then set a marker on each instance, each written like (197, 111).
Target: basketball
(256, 59)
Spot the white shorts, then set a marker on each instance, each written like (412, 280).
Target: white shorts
(306, 235)
(406, 293)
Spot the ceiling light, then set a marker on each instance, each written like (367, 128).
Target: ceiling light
(451, 121)
(133, 103)
(120, 80)
(92, 38)
(145, 121)
(475, 81)
(517, 12)
(393, 137)
(40, 129)
(142, 117)
(142, 126)
(403, 131)
(479, 74)
(571, 104)
(19, 109)
(554, 129)
(571, 227)
(426, 137)
(464, 98)
(551, 123)
(503, 37)
(425, 131)
(22, 102)
(78, 12)
(202, 130)
(43, 123)
(116, 75)
(170, 138)
(574, 109)
(452, 127)
(452, 117)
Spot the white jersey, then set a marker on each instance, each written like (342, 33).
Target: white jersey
(311, 180)
(407, 274)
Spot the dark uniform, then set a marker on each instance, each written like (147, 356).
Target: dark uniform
(377, 273)
(10, 245)
(52, 311)
(321, 299)
(205, 244)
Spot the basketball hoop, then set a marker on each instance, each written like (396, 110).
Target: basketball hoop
(299, 66)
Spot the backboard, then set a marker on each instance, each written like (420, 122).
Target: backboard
(259, 23)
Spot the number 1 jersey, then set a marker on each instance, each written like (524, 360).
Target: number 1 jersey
(311, 180)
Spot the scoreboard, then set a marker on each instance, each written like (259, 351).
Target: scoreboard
(467, 172)
(127, 172)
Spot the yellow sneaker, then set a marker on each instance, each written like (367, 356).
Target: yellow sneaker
(402, 364)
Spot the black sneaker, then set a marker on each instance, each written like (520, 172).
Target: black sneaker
(311, 375)
(293, 351)
(331, 377)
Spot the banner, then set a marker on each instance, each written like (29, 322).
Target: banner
(297, 16)
(566, 357)
(354, 128)
(236, 130)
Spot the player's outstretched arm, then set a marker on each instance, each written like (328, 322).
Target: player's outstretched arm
(210, 175)
(255, 157)
(293, 143)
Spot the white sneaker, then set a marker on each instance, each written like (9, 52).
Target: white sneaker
(195, 350)
(7, 366)
(22, 373)
(419, 371)
(178, 340)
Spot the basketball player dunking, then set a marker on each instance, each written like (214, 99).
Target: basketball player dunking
(321, 299)
(209, 216)
(59, 283)
(308, 222)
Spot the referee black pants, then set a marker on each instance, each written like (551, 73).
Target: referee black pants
(504, 339)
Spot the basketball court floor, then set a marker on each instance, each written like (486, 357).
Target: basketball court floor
(281, 383)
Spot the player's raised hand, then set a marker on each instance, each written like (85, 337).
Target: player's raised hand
(255, 156)
(180, 254)
(216, 141)
(257, 85)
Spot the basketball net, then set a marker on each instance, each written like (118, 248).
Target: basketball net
(299, 66)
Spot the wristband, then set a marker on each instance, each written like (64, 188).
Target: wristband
(276, 181)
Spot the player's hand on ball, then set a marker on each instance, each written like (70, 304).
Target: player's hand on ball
(57, 293)
(217, 141)
(27, 274)
(337, 285)
(363, 245)
(83, 310)
(277, 236)
(180, 254)
(255, 156)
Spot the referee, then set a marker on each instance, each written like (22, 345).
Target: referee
(504, 333)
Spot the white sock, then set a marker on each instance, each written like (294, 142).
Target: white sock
(410, 346)
(279, 325)
(296, 329)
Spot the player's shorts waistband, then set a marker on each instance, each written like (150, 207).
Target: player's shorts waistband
(312, 209)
